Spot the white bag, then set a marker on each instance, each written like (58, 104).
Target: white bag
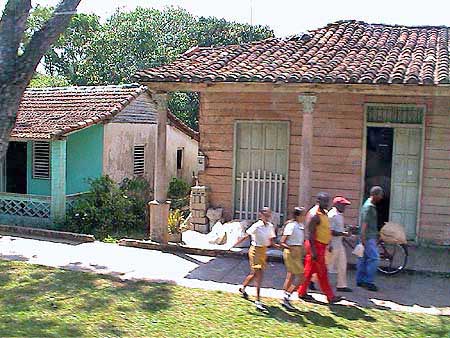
(358, 250)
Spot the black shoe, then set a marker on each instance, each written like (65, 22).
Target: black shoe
(243, 293)
(312, 286)
(307, 298)
(336, 299)
(371, 287)
(287, 304)
(345, 289)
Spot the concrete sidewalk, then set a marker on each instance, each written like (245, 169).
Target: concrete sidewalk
(405, 292)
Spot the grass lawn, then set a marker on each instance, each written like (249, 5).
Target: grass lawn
(41, 301)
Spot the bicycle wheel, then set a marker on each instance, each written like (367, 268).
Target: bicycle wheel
(393, 258)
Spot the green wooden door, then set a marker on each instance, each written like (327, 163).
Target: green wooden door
(406, 178)
(261, 167)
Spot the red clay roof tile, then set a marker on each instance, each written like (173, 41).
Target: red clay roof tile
(342, 52)
(45, 113)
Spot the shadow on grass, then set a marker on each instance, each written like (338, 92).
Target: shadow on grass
(351, 313)
(300, 317)
(33, 301)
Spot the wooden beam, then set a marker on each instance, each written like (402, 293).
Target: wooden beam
(366, 89)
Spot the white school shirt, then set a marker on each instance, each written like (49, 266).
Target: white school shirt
(295, 233)
(261, 233)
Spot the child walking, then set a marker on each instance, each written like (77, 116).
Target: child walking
(262, 234)
(292, 244)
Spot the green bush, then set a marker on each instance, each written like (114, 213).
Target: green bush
(178, 193)
(109, 209)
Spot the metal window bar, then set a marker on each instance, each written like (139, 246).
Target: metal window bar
(258, 189)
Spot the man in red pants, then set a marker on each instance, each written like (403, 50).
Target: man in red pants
(315, 247)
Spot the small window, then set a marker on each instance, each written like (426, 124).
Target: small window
(139, 160)
(180, 158)
(41, 159)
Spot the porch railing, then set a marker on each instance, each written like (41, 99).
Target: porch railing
(257, 189)
(70, 200)
(25, 205)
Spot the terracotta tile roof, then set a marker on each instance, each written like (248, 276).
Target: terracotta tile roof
(342, 52)
(46, 113)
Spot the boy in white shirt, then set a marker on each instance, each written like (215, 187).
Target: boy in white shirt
(292, 243)
(262, 234)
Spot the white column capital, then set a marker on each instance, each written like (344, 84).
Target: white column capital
(308, 101)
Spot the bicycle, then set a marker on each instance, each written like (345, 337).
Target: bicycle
(393, 257)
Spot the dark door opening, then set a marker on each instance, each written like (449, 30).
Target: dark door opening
(16, 168)
(379, 166)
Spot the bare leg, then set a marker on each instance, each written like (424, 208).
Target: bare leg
(297, 281)
(288, 281)
(258, 279)
(248, 279)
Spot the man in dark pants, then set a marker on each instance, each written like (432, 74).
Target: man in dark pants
(367, 265)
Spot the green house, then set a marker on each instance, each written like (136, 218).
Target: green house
(65, 136)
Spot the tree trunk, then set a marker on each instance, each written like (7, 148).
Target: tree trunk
(17, 71)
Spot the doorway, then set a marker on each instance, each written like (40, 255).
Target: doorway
(16, 168)
(393, 157)
(379, 149)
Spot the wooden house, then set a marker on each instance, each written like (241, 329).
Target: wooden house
(337, 109)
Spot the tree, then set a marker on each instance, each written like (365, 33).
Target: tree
(92, 53)
(18, 60)
(44, 80)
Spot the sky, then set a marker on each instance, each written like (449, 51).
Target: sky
(288, 17)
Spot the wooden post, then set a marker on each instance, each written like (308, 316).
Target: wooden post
(159, 208)
(161, 183)
(304, 196)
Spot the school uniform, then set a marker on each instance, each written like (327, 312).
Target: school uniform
(261, 235)
(338, 257)
(293, 257)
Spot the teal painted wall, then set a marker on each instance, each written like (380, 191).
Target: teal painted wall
(84, 158)
(35, 186)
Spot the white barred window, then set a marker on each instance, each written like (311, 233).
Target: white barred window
(41, 159)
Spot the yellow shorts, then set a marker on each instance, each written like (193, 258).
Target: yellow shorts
(257, 257)
(293, 259)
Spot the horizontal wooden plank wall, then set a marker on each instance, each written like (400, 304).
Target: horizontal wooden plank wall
(435, 211)
(337, 149)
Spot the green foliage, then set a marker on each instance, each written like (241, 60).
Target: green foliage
(178, 188)
(95, 53)
(178, 192)
(109, 209)
(43, 80)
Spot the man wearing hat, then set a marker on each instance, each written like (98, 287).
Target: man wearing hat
(338, 259)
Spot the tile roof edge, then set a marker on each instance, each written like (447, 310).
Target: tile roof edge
(183, 127)
(103, 117)
(80, 88)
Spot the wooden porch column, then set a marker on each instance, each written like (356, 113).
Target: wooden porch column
(305, 191)
(159, 207)
(58, 179)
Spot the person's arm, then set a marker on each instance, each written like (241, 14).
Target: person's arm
(240, 240)
(363, 233)
(288, 230)
(312, 235)
(283, 243)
